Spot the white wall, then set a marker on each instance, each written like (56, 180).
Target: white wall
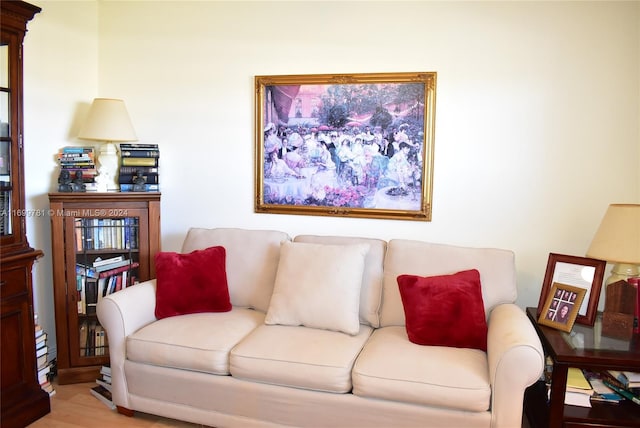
(60, 80)
(537, 117)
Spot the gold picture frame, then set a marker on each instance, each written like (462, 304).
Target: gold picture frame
(347, 145)
(561, 307)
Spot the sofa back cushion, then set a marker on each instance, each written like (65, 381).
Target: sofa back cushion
(371, 290)
(408, 257)
(252, 261)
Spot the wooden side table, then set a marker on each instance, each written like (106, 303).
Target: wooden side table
(583, 347)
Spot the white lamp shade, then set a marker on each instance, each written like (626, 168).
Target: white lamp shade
(618, 237)
(108, 120)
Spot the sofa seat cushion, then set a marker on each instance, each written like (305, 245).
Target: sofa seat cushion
(299, 357)
(199, 342)
(390, 367)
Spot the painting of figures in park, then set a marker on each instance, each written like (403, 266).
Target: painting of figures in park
(345, 145)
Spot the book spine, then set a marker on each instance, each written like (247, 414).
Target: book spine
(86, 271)
(130, 161)
(135, 169)
(625, 393)
(118, 270)
(612, 380)
(138, 146)
(124, 187)
(77, 167)
(74, 149)
(140, 153)
(150, 178)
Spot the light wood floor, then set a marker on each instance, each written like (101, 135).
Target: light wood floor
(74, 406)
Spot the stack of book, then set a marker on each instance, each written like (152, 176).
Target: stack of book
(579, 391)
(624, 383)
(101, 278)
(102, 391)
(45, 373)
(602, 393)
(139, 161)
(80, 160)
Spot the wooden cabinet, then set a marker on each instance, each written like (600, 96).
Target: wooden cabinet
(87, 228)
(22, 401)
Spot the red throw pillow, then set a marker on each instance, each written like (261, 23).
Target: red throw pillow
(191, 283)
(445, 310)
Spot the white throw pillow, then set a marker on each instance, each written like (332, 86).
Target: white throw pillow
(318, 286)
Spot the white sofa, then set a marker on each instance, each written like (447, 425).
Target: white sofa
(234, 369)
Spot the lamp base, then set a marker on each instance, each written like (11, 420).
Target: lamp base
(107, 178)
(623, 271)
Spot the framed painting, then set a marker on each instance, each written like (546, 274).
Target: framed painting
(582, 272)
(561, 306)
(349, 145)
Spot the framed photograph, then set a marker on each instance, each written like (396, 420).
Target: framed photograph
(348, 145)
(581, 272)
(561, 306)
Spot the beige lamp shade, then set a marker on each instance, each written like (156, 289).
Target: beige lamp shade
(618, 237)
(108, 120)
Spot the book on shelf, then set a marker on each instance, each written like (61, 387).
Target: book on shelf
(77, 149)
(42, 351)
(93, 339)
(106, 233)
(132, 170)
(106, 385)
(42, 360)
(577, 399)
(91, 295)
(101, 262)
(41, 339)
(140, 153)
(147, 187)
(577, 382)
(149, 177)
(105, 377)
(602, 392)
(146, 161)
(628, 379)
(138, 146)
(48, 387)
(123, 267)
(42, 374)
(104, 395)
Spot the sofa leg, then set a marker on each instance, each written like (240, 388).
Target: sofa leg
(125, 411)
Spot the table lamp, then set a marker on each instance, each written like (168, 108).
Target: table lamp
(618, 241)
(108, 121)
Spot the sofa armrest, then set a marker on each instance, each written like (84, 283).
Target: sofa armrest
(516, 361)
(122, 314)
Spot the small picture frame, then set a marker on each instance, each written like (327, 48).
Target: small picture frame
(561, 307)
(582, 272)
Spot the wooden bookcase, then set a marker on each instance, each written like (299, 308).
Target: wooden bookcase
(86, 227)
(22, 400)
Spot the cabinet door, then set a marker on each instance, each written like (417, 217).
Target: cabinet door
(105, 254)
(12, 217)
